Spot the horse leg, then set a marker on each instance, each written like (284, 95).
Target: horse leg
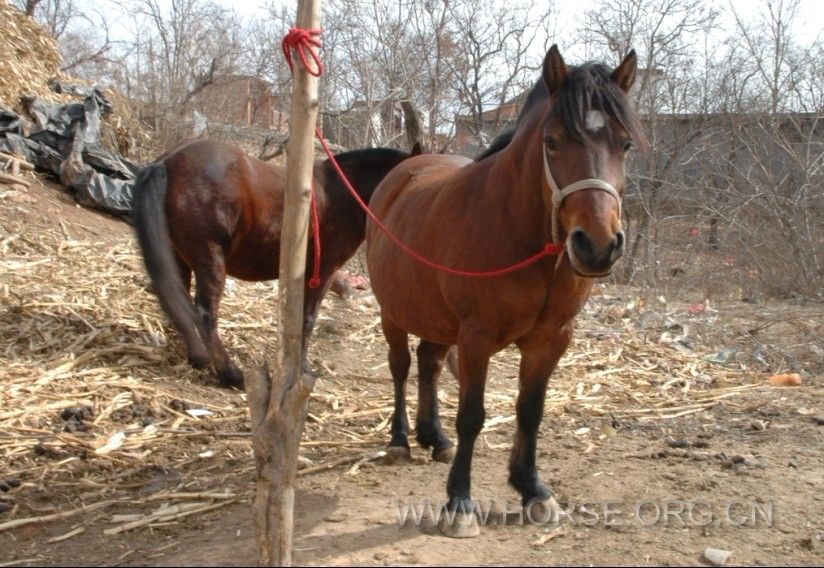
(538, 360)
(428, 424)
(473, 361)
(210, 278)
(198, 358)
(312, 298)
(399, 362)
(185, 273)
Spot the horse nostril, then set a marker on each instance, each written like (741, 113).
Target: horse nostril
(618, 243)
(581, 243)
(596, 257)
(616, 246)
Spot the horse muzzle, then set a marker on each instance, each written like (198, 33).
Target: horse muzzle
(593, 259)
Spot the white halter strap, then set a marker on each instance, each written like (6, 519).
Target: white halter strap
(558, 195)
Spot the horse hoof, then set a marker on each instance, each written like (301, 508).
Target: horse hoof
(231, 377)
(542, 511)
(198, 361)
(444, 455)
(397, 454)
(463, 525)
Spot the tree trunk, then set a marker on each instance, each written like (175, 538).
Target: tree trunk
(278, 407)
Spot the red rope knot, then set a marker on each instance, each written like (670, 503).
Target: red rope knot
(552, 248)
(303, 40)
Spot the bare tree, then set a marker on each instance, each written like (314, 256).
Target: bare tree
(82, 32)
(375, 61)
(178, 49)
(441, 57)
(765, 50)
(29, 7)
(263, 56)
(766, 171)
(433, 33)
(665, 34)
(491, 64)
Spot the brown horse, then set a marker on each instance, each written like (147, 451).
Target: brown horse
(558, 176)
(209, 208)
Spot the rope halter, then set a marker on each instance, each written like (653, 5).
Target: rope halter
(558, 195)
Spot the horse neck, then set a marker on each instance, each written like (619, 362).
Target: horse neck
(364, 175)
(516, 179)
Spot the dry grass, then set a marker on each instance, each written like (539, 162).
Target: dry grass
(96, 395)
(31, 58)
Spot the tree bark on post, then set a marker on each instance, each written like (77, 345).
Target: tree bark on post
(278, 404)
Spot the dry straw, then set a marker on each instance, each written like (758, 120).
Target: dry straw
(31, 58)
(96, 397)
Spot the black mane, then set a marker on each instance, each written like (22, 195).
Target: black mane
(369, 154)
(537, 94)
(588, 87)
(365, 168)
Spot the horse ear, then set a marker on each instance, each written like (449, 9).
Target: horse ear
(555, 70)
(624, 74)
(416, 149)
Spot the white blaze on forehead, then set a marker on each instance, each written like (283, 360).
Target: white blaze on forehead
(595, 120)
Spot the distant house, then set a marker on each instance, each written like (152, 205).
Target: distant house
(377, 124)
(470, 138)
(242, 100)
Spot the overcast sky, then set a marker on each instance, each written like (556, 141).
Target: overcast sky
(811, 17)
(570, 14)
(809, 24)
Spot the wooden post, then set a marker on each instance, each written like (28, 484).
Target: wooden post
(278, 406)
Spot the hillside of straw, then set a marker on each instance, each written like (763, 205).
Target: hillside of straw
(31, 59)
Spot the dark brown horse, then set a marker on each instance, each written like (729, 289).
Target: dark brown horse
(209, 208)
(558, 176)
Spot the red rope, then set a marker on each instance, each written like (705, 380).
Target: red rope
(314, 281)
(302, 40)
(305, 40)
(548, 250)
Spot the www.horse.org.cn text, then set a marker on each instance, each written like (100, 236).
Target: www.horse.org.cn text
(607, 513)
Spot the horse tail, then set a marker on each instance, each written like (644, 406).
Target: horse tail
(149, 216)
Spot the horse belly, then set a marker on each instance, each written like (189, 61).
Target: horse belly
(421, 312)
(409, 293)
(256, 262)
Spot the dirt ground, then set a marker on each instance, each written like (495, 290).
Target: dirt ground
(661, 436)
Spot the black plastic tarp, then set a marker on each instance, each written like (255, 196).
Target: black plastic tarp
(64, 140)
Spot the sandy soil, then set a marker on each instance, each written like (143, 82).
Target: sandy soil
(655, 453)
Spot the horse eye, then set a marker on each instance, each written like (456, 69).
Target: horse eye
(552, 144)
(628, 145)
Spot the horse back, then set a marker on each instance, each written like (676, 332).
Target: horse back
(420, 176)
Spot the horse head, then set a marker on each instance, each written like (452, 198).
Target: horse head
(588, 128)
